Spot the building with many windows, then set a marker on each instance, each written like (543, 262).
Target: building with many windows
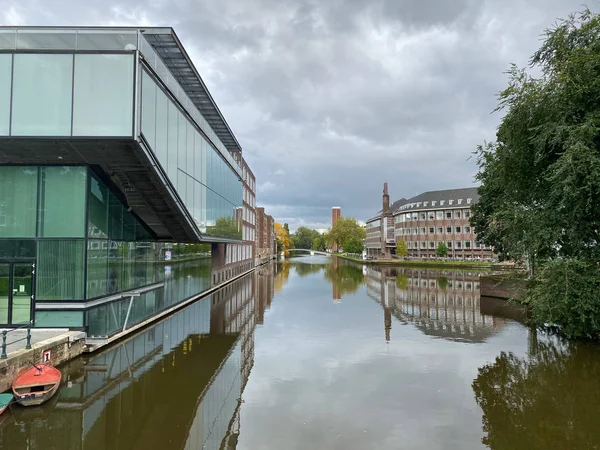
(110, 142)
(427, 220)
(265, 236)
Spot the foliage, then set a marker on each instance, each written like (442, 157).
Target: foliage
(190, 249)
(304, 269)
(225, 227)
(442, 250)
(401, 248)
(354, 245)
(284, 242)
(567, 292)
(547, 400)
(442, 283)
(345, 230)
(319, 243)
(402, 281)
(345, 277)
(304, 237)
(540, 180)
(286, 227)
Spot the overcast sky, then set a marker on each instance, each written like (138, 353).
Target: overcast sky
(330, 98)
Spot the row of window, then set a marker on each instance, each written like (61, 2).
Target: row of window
(433, 215)
(249, 197)
(249, 233)
(236, 253)
(457, 245)
(249, 215)
(435, 203)
(433, 230)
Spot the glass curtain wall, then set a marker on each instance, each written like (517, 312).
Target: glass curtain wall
(210, 190)
(66, 94)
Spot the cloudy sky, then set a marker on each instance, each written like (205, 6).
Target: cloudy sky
(330, 98)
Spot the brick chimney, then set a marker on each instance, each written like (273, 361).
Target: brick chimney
(386, 198)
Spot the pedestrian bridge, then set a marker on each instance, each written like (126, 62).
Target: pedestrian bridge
(306, 250)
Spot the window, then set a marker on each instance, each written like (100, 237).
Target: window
(423, 244)
(425, 204)
(439, 215)
(431, 244)
(450, 202)
(458, 230)
(448, 214)
(431, 215)
(62, 281)
(467, 244)
(469, 201)
(433, 203)
(407, 217)
(467, 213)
(449, 244)
(460, 201)
(422, 216)
(448, 230)
(477, 244)
(457, 214)
(5, 82)
(423, 230)
(18, 202)
(62, 201)
(415, 231)
(42, 94)
(431, 230)
(468, 230)
(458, 245)
(415, 216)
(442, 202)
(440, 230)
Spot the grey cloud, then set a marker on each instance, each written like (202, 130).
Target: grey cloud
(343, 94)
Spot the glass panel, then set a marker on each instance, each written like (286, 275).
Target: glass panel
(97, 268)
(149, 110)
(22, 284)
(62, 201)
(98, 209)
(172, 144)
(17, 248)
(5, 77)
(62, 281)
(115, 220)
(46, 39)
(103, 95)
(106, 40)
(4, 291)
(42, 95)
(47, 319)
(162, 123)
(18, 201)
(115, 266)
(128, 227)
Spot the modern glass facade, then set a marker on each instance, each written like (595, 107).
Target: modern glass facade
(79, 108)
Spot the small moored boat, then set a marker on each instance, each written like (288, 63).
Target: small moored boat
(36, 385)
(5, 399)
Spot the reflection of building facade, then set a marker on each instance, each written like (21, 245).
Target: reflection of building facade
(144, 156)
(175, 385)
(440, 303)
(336, 213)
(265, 236)
(426, 221)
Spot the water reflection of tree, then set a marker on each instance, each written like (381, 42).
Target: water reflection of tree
(549, 400)
(347, 278)
(283, 273)
(304, 270)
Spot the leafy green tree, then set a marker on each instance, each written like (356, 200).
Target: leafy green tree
(540, 180)
(401, 248)
(442, 250)
(225, 226)
(286, 227)
(402, 281)
(347, 278)
(346, 230)
(304, 237)
(354, 245)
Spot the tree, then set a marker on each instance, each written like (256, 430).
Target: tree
(304, 237)
(286, 227)
(320, 243)
(442, 250)
(401, 248)
(354, 245)
(284, 243)
(540, 180)
(346, 229)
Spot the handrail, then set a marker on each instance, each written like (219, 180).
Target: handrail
(27, 325)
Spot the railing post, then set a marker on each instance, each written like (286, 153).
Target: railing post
(28, 345)
(3, 356)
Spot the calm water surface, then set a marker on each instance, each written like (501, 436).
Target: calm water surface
(314, 354)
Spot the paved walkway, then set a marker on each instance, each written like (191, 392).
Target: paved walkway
(16, 339)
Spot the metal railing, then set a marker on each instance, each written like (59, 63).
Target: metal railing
(27, 338)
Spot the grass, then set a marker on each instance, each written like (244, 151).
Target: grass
(420, 263)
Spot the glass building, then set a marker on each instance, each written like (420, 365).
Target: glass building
(109, 143)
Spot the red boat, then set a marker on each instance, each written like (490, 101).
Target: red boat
(36, 385)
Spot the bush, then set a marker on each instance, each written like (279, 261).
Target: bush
(566, 293)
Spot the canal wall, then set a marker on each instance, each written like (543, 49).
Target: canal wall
(420, 263)
(61, 349)
(503, 286)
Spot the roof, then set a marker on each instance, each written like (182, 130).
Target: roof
(394, 207)
(433, 200)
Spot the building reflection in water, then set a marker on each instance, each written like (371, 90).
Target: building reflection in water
(175, 385)
(440, 303)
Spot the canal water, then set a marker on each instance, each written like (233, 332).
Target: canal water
(318, 353)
